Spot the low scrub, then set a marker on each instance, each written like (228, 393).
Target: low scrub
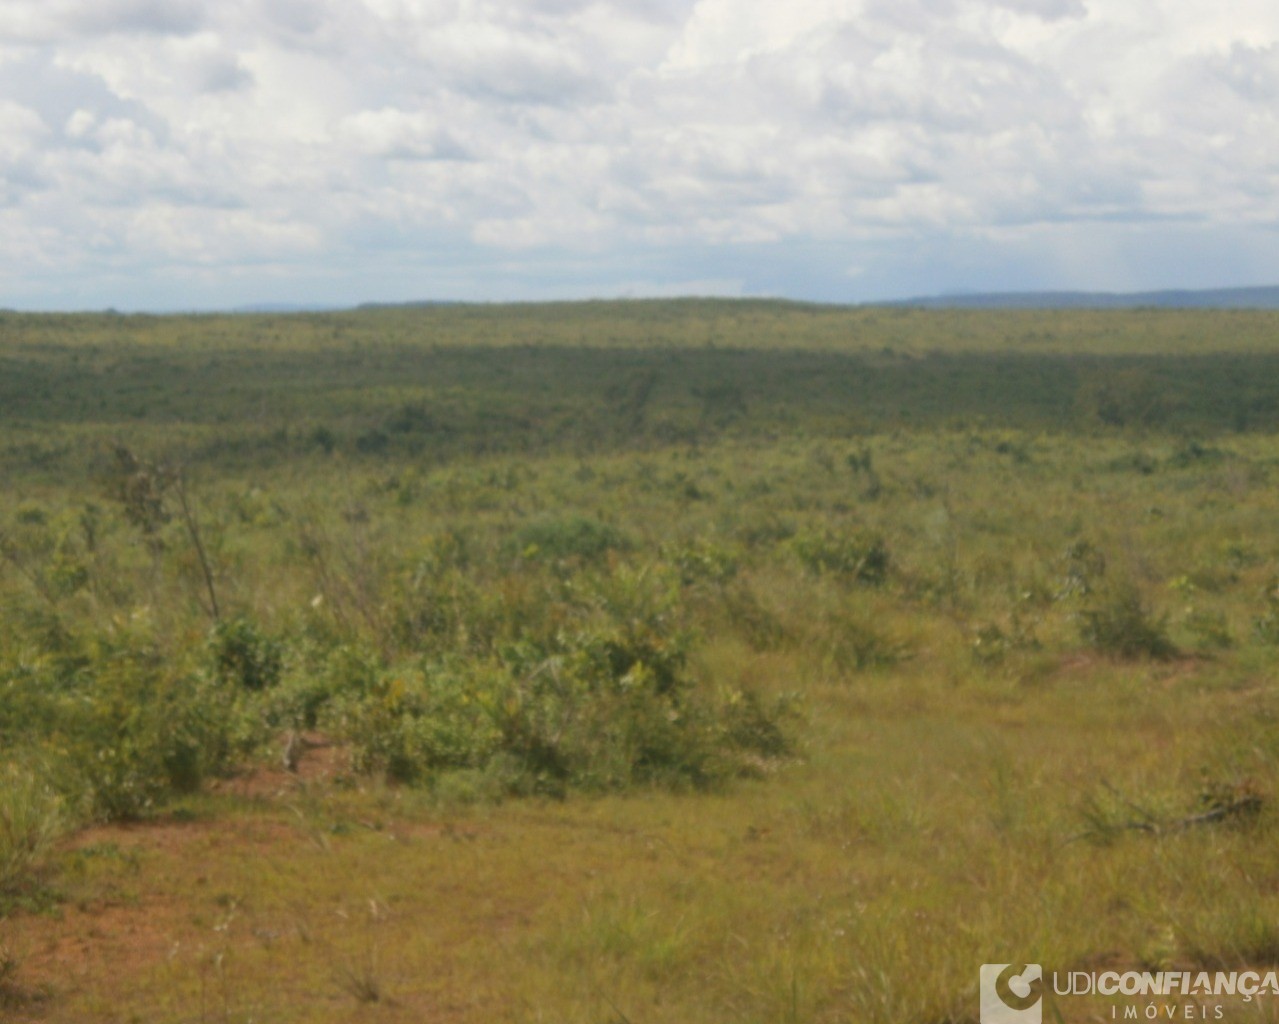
(571, 722)
(244, 656)
(603, 702)
(32, 817)
(1118, 623)
(123, 728)
(858, 556)
(570, 537)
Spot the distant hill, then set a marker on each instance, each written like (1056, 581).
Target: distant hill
(287, 307)
(1215, 298)
(414, 304)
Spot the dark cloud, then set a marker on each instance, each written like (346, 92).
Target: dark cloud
(221, 73)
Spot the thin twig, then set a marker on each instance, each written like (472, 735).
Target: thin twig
(193, 531)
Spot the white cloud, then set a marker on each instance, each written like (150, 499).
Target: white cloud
(55, 20)
(391, 134)
(1047, 10)
(321, 133)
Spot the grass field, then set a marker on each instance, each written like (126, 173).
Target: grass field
(630, 662)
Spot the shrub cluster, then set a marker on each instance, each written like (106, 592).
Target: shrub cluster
(857, 556)
(540, 676)
(1118, 623)
(597, 696)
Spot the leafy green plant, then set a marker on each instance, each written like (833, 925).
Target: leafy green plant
(244, 656)
(1266, 625)
(862, 557)
(856, 644)
(576, 537)
(1119, 624)
(603, 702)
(705, 562)
(990, 644)
(1083, 566)
(412, 723)
(1209, 628)
(123, 728)
(32, 818)
(140, 746)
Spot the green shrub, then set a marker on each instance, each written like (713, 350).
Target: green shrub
(138, 745)
(415, 722)
(320, 677)
(759, 625)
(32, 817)
(373, 442)
(861, 556)
(124, 727)
(1209, 628)
(704, 562)
(575, 537)
(758, 531)
(567, 727)
(323, 438)
(602, 702)
(243, 656)
(989, 644)
(1195, 453)
(1118, 624)
(753, 726)
(1083, 566)
(858, 645)
(1266, 625)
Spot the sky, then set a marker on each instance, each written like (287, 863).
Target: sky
(193, 154)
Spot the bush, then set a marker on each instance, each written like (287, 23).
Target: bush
(754, 727)
(304, 695)
(760, 626)
(578, 724)
(244, 657)
(571, 537)
(140, 744)
(862, 556)
(32, 817)
(704, 561)
(122, 726)
(989, 644)
(1118, 624)
(1083, 566)
(858, 645)
(603, 702)
(414, 722)
(1266, 625)
(1209, 628)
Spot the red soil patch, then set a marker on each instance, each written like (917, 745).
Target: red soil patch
(316, 759)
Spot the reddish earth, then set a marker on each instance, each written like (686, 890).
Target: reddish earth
(149, 913)
(318, 759)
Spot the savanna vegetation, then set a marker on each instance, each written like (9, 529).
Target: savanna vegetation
(631, 662)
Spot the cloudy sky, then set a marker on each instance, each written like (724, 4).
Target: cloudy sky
(178, 154)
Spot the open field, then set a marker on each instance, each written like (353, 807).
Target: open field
(634, 662)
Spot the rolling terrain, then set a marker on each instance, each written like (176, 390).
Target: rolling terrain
(643, 661)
